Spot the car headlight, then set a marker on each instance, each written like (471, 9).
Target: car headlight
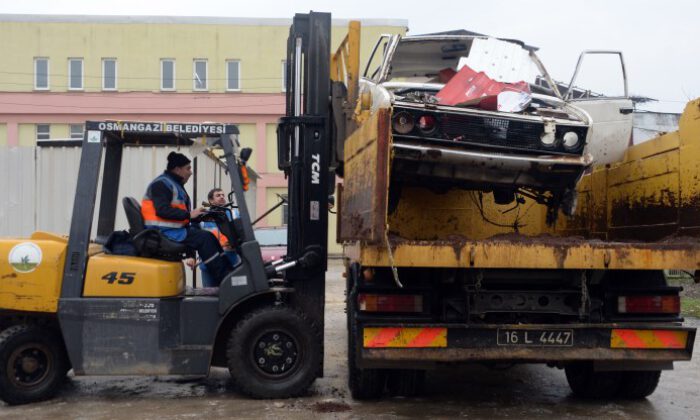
(570, 140)
(403, 123)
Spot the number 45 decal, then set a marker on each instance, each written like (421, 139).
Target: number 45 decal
(120, 278)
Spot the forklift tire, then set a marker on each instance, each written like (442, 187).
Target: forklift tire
(637, 385)
(274, 352)
(32, 364)
(406, 382)
(587, 383)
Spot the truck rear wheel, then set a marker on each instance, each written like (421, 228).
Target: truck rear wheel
(364, 384)
(406, 382)
(587, 383)
(637, 385)
(274, 352)
(33, 363)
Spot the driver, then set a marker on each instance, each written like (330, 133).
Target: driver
(217, 197)
(166, 207)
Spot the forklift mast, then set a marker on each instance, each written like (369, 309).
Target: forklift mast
(304, 151)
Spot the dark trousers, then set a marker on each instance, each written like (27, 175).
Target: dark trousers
(208, 246)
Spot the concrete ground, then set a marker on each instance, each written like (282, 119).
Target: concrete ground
(470, 392)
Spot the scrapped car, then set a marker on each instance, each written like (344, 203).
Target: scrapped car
(482, 113)
(273, 242)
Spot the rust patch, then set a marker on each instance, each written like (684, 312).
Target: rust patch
(9, 276)
(330, 407)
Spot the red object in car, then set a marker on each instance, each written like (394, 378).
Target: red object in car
(468, 87)
(273, 242)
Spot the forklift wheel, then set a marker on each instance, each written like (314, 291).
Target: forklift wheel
(274, 352)
(32, 364)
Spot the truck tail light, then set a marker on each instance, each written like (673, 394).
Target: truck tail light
(649, 304)
(389, 303)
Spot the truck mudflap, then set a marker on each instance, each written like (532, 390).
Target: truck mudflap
(518, 343)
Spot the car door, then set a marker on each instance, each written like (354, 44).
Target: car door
(611, 113)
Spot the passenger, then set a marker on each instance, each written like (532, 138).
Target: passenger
(217, 197)
(167, 207)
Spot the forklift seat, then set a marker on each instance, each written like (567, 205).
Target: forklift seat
(150, 243)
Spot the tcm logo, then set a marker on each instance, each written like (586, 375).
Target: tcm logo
(316, 168)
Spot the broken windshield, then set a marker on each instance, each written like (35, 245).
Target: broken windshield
(422, 59)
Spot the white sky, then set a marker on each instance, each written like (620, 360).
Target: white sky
(658, 38)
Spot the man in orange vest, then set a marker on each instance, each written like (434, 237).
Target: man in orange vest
(167, 207)
(217, 197)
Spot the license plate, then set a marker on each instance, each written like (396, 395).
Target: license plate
(535, 338)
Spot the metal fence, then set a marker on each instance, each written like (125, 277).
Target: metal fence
(38, 184)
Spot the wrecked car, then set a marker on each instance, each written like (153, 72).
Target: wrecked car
(477, 112)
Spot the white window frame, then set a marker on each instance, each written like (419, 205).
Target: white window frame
(116, 72)
(206, 75)
(284, 75)
(285, 210)
(48, 73)
(82, 73)
(36, 131)
(233, 60)
(70, 131)
(170, 89)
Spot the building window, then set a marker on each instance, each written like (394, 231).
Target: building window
(199, 75)
(43, 131)
(284, 75)
(233, 75)
(41, 73)
(285, 209)
(109, 74)
(75, 73)
(76, 131)
(167, 74)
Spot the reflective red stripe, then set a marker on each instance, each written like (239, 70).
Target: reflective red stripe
(669, 339)
(426, 337)
(631, 339)
(384, 337)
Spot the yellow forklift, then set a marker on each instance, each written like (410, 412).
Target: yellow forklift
(66, 304)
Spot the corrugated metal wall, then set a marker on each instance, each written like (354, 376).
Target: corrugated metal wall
(38, 185)
(17, 189)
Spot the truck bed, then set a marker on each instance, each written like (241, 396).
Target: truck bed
(540, 252)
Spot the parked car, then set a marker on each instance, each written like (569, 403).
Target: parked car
(452, 125)
(273, 242)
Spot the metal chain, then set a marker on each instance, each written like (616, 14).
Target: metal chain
(585, 299)
(394, 271)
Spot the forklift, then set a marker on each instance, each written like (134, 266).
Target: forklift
(67, 304)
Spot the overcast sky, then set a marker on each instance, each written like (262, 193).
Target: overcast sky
(658, 38)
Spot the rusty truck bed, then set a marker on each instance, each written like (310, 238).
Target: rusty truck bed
(541, 252)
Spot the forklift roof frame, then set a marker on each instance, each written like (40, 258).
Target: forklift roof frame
(111, 137)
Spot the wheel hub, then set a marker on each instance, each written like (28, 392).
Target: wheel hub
(275, 353)
(29, 365)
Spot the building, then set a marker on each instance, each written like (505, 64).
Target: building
(59, 71)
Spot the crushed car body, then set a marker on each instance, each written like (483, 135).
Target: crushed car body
(481, 113)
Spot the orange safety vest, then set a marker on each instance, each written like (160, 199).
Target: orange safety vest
(214, 228)
(179, 201)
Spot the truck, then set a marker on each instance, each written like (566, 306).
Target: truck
(442, 270)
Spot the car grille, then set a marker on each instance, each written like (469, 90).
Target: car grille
(496, 131)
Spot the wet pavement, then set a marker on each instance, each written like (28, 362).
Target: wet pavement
(474, 392)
